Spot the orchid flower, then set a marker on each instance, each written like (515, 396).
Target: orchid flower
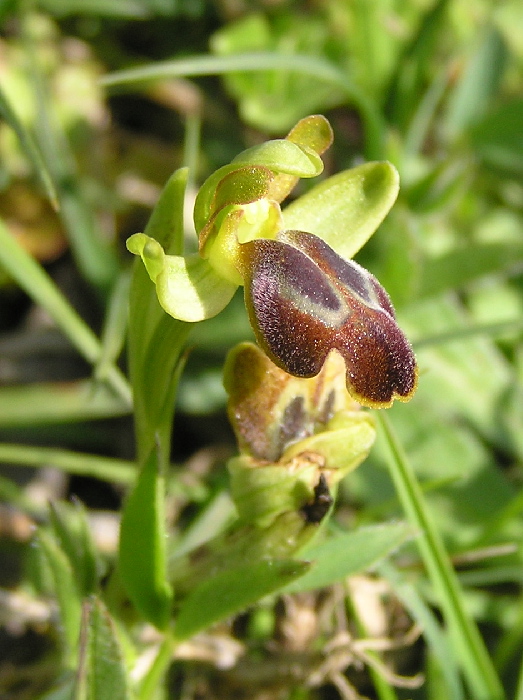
(304, 295)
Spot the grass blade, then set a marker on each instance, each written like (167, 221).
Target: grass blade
(260, 61)
(35, 281)
(477, 664)
(29, 145)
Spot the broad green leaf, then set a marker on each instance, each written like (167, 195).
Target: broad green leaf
(166, 221)
(165, 225)
(347, 208)
(464, 488)
(349, 553)
(142, 552)
(66, 591)
(102, 674)
(233, 590)
(273, 100)
(467, 378)
(72, 531)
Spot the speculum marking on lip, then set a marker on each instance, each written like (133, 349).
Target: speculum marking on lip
(305, 300)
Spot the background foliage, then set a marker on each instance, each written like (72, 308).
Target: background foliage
(101, 101)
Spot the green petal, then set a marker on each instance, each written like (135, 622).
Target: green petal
(283, 156)
(188, 288)
(312, 132)
(347, 208)
(149, 250)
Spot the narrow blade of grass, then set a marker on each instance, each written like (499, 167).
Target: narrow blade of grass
(29, 145)
(34, 280)
(475, 660)
(261, 61)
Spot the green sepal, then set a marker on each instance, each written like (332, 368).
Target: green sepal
(142, 553)
(343, 444)
(188, 288)
(262, 492)
(347, 208)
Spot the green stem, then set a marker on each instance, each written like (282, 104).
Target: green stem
(152, 680)
(476, 663)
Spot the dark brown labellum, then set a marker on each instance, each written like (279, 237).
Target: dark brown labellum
(305, 300)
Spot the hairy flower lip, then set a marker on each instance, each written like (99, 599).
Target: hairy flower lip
(304, 300)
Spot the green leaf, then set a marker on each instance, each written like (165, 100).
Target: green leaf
(155, 339)
(66, 591)
(233, 590)
(274, 100)
(72, 531)
(142, 553)
(479, 82)
(349, 553)
(63, 689)
(498, 138)
(346, 209)
(29, 145)
(115, 326)
(166, 221)
(468, 378)
(119, 471)
(437, 641)
(93, 253)
(462, 265)
(476, 663)
(123, 9)
(102, 674)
